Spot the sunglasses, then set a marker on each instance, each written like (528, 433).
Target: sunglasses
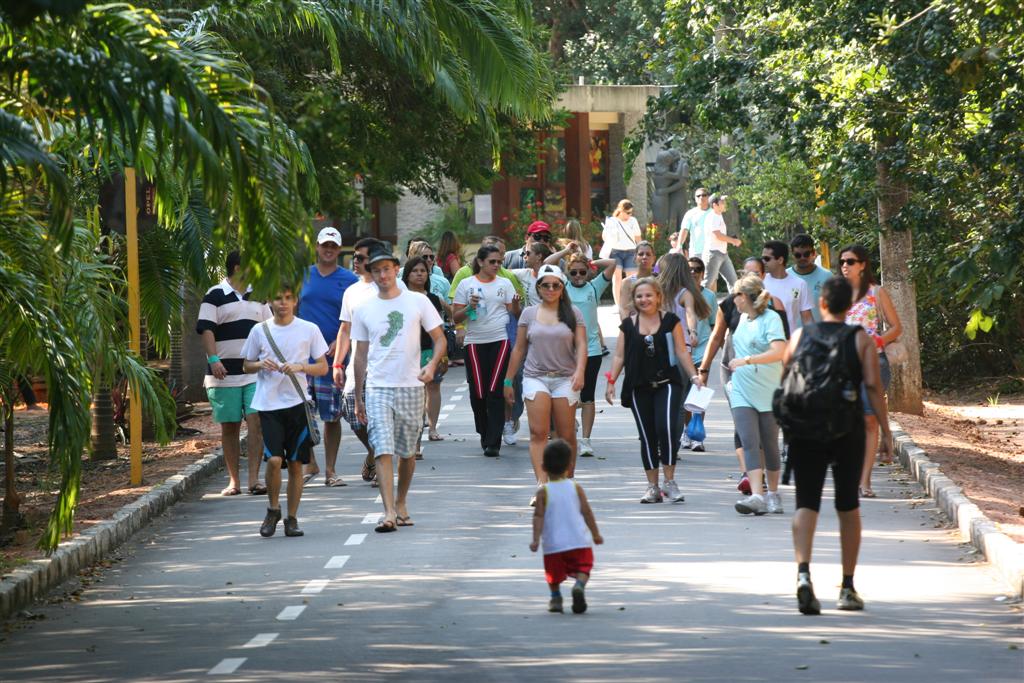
(358, 257)
(577, 272)
(493, 261)
(766, 259)
(649, 341)
(802, 254)
(550, 286)
(429, 257)
(850, 261)
(541, 236)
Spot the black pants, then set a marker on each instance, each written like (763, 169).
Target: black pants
(810, 461)
(657, 416)
(485, 370)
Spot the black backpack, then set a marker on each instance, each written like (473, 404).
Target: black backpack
(818, 397)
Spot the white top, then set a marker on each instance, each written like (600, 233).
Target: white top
(528, 280)
(392, 328)
(564, 527)
(795, 296)
(299, 341)
(713, 222)
(621, 235)
(491, 313)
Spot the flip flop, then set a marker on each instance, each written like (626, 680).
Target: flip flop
(307, 477)
(405, 521)
(368, 471)
(419, 456)
(334, 481)
(258, 489)
(867, 493)
(385, 527)
(231, 491)
(434, 436)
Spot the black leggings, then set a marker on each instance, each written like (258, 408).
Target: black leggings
(590, 379)
(485, 369)
(656, 412)
(810, 461)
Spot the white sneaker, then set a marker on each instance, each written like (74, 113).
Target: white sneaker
(584, 448)
(653, 495)
(672, 492)
(508, 434)
(774, 503)
(685, 443)
(752, 505)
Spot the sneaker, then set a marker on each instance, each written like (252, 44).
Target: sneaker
(697, 446)
(752, 505)
(585, 450)
(805, 600)
(774, 503)
(291, 527)
(744, 485)
(653, 495)
(492, 452)
(579, 600)
(671, 491)
(685, 443)
(269, 525)
(508, 434)
(849, 600)
(555, 604)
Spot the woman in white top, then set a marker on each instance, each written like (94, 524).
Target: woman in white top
(621, 236)
(484, 301)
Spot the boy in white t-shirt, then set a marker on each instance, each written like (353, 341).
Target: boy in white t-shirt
(386, 365)
(791, 289)
(281, 399)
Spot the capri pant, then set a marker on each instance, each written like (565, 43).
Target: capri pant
(810, 461)
(757, 431)
(656, 412)
(590, 379)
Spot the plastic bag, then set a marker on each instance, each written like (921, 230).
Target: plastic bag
(695, 430)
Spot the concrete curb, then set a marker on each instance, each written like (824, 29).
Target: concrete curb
(999, 549)
(26, 584)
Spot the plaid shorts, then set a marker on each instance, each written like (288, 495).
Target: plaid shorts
(396, 419)
(327, 396)
(348, 409)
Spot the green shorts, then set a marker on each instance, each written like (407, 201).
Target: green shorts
(231, 404)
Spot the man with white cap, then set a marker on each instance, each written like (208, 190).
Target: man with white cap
(320, 303)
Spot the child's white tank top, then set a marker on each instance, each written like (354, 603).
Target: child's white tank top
(564, 528)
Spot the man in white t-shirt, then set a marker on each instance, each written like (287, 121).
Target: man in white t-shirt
(716, 246)
(791, 289)
(279, 351)
(692, 225)
(805, 268)
(387, 366)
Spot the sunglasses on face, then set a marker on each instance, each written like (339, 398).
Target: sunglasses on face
(766, 259)
(493, 261)
(850, 261)
(575, 273)
(550, 286)
(429, 257)
(802, 254)
(358, 257)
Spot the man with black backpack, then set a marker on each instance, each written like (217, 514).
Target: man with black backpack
(819, 408)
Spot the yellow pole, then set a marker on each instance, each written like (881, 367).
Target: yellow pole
(131, 216)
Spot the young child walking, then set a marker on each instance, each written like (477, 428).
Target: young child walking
(561, 518)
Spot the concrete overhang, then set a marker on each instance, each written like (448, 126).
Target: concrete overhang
(609, 98)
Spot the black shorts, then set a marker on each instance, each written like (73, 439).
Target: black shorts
(590, 378)
(810, 461)
(286, 434)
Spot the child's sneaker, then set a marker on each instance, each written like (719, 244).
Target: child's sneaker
(579, 600)
(555, 604)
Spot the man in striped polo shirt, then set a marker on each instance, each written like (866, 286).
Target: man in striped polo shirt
(225, 317)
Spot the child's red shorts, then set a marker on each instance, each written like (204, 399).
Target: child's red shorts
(557, 566)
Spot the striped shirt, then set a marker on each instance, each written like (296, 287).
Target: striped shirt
(230, 318)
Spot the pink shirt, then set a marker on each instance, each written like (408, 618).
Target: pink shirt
(866, 313)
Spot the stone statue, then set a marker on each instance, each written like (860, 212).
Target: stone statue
(670, 177)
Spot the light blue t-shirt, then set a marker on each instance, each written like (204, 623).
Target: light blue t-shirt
(815, 279)
(705, 326)
(753, 385)
(586, 299)
(693, 221)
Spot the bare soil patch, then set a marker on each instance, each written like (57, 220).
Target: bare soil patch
(978, 441)
(106, 485)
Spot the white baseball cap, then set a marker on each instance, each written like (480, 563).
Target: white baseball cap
(549, 270)
(329, 234)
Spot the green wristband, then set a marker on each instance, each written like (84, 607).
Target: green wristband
(508, 382)
(213, 359)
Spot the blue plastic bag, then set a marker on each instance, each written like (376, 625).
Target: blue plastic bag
(695, 430)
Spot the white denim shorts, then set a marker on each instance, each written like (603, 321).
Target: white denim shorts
(555, 387)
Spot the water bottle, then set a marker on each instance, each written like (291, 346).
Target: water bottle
(471, 310)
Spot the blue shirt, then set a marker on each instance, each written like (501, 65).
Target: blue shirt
(814, 279)
(705, 326)
(754, 385)
(320, 299)
(586, 299)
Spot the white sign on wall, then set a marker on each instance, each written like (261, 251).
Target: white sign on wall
(482, 214)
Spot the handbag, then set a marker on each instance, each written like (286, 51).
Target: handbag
(895, 351)
(314, 429)
(455, 351)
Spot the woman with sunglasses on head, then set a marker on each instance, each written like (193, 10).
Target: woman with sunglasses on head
(414, 275)
(873, 310)
(759, 342)
(645, 258)
(621, 236)
(484, 300)
(585, 293)
(652, 350)
(552, 341)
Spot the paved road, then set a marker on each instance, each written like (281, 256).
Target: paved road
(679, 592)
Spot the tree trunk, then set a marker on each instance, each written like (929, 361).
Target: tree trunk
(103, 440)
(11, 518)
(897, 250)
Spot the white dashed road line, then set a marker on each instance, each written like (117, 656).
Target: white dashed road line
(315, 586)
(448, 406)
(261, 640)
(371, 518)
(337, 562)
(291, 613)
(355, 539)
(227, 666)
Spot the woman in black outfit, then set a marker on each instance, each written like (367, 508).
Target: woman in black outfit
(652, 349)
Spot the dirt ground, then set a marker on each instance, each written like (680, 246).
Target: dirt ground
(105, 485)
(978, 441)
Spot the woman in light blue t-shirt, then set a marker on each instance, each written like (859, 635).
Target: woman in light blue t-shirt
(758, 343)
